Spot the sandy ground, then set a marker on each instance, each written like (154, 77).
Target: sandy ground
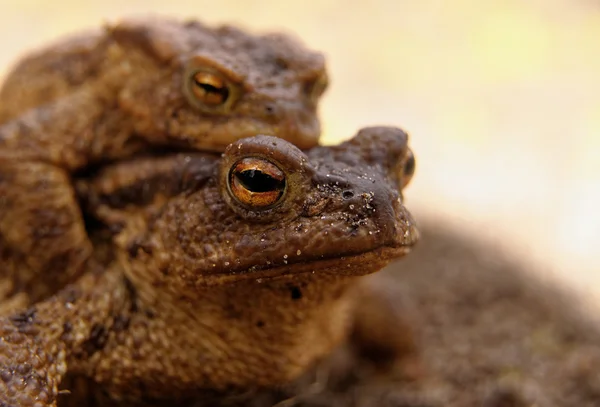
(500, 97)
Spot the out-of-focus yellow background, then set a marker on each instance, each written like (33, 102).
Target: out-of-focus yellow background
(502, 99)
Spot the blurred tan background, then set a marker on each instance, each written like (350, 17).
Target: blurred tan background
(502, 99)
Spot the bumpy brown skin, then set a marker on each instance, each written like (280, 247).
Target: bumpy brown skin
(215, 296)
(105, 94)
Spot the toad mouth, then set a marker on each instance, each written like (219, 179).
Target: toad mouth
(352, 265)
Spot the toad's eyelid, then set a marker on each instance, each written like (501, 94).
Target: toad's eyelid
(201, 63)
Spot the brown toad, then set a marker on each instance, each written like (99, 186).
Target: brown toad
(230, 273)
(139, 84)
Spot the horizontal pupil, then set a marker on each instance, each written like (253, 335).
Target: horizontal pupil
(258, 181)
(222, 91)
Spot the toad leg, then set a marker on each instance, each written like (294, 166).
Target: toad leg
(36, 343)
(43, 242)
(42, 235)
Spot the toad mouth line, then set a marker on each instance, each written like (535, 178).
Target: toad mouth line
(353, 265)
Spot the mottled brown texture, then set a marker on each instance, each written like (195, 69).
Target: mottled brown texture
(216, 297)
(108, 93)
(35, 344)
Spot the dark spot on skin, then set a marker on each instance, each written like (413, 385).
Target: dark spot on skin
(348, 194)
(132, 249)
(260, 324)
(296, 293)
(97, 339)
(120, 323)
(164, 269)
(23, 319)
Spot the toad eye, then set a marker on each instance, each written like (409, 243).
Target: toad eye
(209, 91)
(408, 168)
(256, 182)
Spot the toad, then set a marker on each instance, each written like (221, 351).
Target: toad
(137, 85)
(216, 274)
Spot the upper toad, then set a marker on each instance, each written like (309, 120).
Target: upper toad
(137, 85)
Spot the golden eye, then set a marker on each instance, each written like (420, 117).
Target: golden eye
(209, 88)
(209, 91)
(316, 87)
(408, 168)
(256, 182)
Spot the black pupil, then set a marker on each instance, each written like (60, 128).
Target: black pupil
(223, 92)
(258, 181)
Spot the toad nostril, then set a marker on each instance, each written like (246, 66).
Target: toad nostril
(270, 109)
(347, 194)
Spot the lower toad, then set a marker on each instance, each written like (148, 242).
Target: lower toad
(215, 274)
